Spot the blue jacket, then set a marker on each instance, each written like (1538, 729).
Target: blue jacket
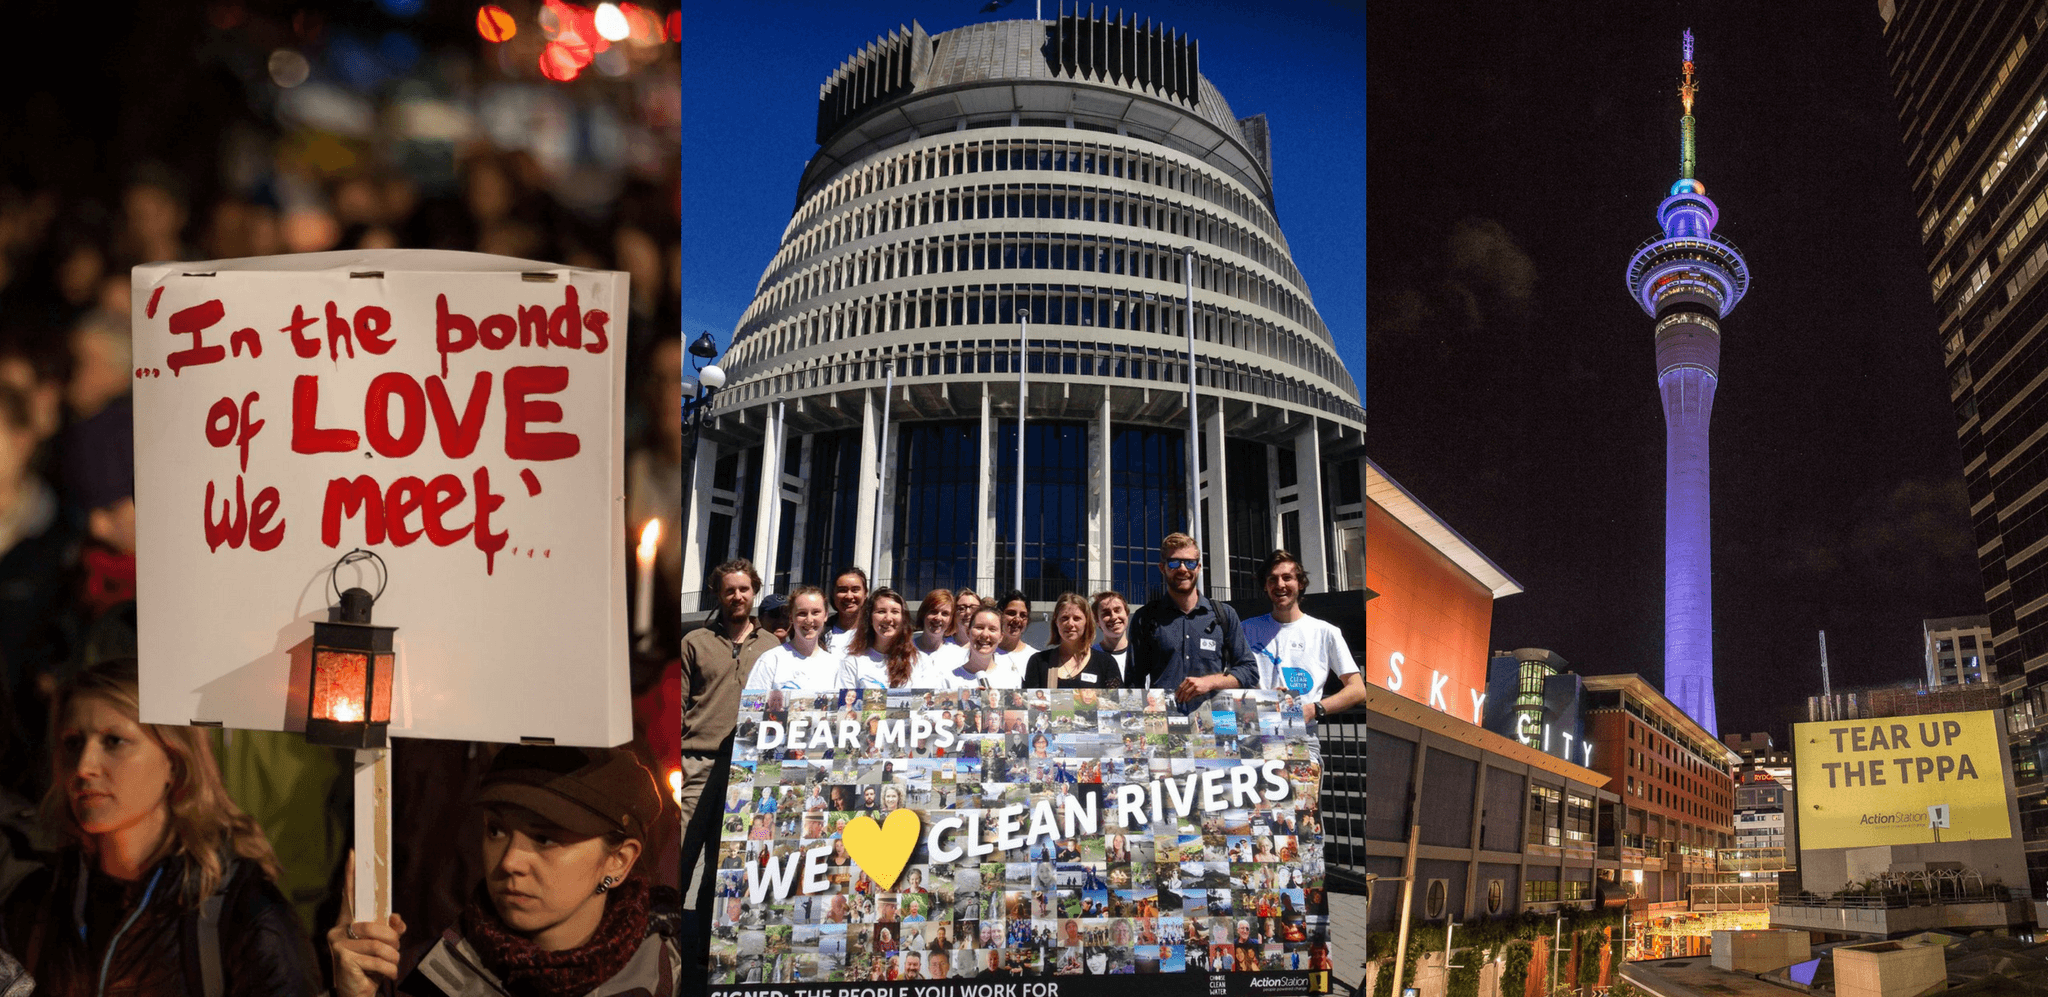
(1168, 645)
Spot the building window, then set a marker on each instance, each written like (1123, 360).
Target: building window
(938, 491)
(1578, 819)
(1496, 893)
(1350, 558)
(1148, 499)
(1055, 508)
(1546, 816)
(1438, 898)
(828, 532)
(1251, 517)
(1536, 891)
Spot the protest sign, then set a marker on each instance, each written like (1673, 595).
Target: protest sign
(874, 837)
(1871, 782)
(460, 415)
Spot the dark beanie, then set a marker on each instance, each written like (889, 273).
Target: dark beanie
(99, 457)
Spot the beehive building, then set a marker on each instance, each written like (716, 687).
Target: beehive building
(1074, 183)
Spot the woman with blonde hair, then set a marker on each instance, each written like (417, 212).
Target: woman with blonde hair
(163, 886)
(1074, 662)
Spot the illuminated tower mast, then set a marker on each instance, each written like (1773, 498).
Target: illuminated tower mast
(1687, 278)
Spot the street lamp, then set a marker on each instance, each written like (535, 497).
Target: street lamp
(700, 383)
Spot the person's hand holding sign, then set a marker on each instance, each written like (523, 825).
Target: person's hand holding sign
(365, 952)
(1197, 686)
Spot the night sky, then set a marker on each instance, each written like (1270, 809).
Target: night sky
(1517, 155)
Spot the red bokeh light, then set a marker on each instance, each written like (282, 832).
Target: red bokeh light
(561, 20)
(494, 24)
(645, 23)
(559, 64)
(675, 26)
(578, 50)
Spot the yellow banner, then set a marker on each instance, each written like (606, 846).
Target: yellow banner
(1873, 782)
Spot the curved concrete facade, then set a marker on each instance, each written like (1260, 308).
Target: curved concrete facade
(1048, 179)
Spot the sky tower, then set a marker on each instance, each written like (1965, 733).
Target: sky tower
(1687, 279)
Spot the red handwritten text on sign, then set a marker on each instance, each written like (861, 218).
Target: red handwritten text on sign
(399, 411)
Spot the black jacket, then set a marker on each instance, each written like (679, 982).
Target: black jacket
(61, 921)
(1168, 646)
(1101, 671)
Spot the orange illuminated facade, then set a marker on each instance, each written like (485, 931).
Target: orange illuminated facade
(1428, 620)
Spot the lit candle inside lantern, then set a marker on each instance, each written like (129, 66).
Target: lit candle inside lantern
(643, 603)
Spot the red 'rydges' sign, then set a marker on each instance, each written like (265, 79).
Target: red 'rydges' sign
(458, 414)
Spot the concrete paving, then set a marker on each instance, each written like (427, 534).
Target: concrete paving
(1697, 977)
(1347, 941)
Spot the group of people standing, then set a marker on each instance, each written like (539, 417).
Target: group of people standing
(871, 638)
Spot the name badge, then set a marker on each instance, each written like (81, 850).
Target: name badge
(1208, 644)
(1088, 677)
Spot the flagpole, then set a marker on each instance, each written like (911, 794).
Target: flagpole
(1194, 427)
(1023, 399)
(882, 472)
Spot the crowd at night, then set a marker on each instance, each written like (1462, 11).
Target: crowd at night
(232, 130)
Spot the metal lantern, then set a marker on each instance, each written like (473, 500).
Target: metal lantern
(349, 698)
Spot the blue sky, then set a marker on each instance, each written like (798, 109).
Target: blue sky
(751, 72)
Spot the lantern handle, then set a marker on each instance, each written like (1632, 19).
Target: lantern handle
(359, 554)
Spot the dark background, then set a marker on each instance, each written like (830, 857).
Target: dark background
(1517, 156)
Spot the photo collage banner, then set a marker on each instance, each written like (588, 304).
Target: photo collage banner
(879, 836)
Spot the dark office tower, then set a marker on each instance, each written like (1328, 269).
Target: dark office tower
(1972, 86)
(1687, 278)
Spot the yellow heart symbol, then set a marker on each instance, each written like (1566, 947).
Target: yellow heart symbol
(882, 850)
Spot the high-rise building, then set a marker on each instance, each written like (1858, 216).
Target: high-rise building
(1958, 650)
(1766, 839)
(1073, 196)
(1687, 279)
(1972, 88)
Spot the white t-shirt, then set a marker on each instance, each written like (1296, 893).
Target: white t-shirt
(1299, 656)
(959, 676)
(1008, 671)
(782, 668)
(863, 671)
(936, 663)
(837, 640)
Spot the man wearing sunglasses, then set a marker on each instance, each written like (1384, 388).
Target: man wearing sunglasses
(1182, 641)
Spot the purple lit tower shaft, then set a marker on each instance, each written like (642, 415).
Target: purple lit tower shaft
(1687, 279)
(1687, 387)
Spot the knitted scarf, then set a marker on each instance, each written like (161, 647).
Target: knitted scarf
(529, 972)
(109, 579)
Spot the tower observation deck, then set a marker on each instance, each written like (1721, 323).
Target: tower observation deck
(1687, 279)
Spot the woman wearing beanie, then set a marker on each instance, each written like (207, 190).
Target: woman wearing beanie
(559, 913)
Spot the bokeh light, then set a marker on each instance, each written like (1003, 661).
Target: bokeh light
(288, 68)
(559, 64)
(494, 24)
(611, 23)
